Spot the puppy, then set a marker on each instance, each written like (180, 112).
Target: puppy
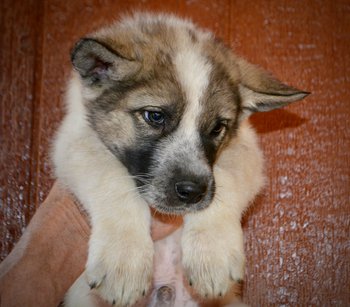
(156, 117)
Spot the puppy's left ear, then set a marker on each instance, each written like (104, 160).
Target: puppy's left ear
(100, 64)
(261, 92)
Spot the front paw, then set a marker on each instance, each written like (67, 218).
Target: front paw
(212, 263)
(120, 270)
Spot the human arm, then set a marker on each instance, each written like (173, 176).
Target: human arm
(52, 252)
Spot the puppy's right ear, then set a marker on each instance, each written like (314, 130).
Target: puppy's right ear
(261, 92)
(98, 64)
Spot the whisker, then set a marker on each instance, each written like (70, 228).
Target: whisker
(217, 198)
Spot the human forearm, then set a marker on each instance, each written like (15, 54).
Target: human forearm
(52, 252)
(49, 256)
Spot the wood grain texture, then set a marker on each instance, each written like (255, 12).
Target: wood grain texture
(20, 33)
(297, 235)
(297, 232)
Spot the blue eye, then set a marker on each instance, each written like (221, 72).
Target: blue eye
(154, 118)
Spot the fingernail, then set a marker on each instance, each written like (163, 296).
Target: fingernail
(165, 296)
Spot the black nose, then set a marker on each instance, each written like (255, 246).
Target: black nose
(190, 192)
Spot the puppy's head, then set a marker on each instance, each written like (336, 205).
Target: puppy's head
(165, 98)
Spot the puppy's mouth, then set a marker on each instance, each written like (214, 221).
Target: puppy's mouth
(178, 210)
(167, 203)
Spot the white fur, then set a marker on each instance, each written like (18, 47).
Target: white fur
(120, 248)
(79, 294)
(193, 73)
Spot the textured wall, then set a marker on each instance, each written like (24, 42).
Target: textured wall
(297, 232)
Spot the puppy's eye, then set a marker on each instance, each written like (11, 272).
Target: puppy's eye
(218, 129)
(154, 118)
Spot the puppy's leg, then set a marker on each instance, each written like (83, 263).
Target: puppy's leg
(120, 257)
(212, 242)
(213, 256)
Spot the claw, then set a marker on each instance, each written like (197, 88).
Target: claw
(92, 285)
(236, 280)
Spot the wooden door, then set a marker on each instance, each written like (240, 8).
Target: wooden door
(297, 231)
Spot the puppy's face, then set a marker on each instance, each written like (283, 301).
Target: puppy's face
(165, 99)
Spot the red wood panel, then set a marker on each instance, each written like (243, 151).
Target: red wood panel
(297, 233)
(20, 25)
(213, 15)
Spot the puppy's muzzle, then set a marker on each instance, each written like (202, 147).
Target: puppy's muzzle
(190, 192)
